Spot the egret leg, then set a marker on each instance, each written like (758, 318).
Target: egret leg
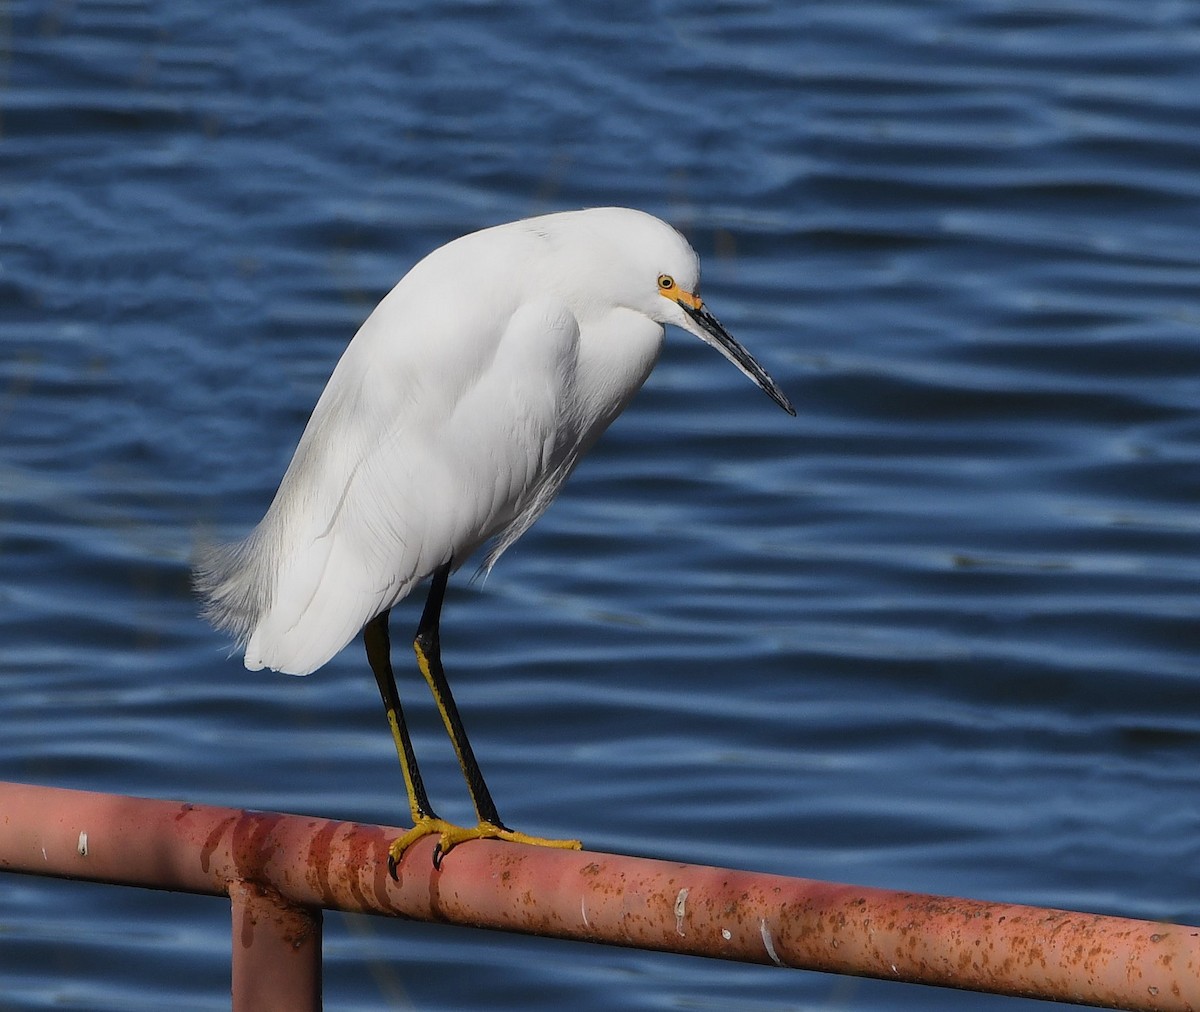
(379, 649)
(425, 820)
(427, 645)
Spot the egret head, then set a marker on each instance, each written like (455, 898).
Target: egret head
(676, 285)
(616, 255)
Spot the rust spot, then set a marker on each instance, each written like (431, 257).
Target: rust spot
(252, 845)
(212, 842)
(1037, 955)
(259, 904)
(364, 853)
(318, 860)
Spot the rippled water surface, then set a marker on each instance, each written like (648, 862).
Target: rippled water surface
(937, 633)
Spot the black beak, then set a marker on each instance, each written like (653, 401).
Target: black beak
(725, 343)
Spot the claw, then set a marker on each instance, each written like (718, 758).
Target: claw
(450, 836)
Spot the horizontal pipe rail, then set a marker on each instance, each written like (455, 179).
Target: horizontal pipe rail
(302, 863)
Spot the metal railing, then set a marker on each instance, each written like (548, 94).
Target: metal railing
(279, 872)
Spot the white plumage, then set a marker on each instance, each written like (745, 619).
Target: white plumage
(454, 416)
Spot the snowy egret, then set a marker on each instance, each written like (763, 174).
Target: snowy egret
(452, 419)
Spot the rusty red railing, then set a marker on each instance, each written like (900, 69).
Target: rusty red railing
(280, 871)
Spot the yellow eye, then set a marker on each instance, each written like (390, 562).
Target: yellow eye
(665, 282)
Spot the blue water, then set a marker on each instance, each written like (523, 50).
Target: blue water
(937, 633)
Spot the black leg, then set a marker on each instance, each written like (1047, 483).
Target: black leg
(378, 644)
(429, 657)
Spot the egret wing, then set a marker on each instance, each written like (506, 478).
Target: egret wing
(424, 444)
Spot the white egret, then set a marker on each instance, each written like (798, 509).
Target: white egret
(452, 419)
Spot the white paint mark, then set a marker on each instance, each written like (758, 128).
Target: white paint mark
(680, 912)
(894, 970)
(44, 857)
(726, 934)
(82, 848)
(583, 910)
(768, 943)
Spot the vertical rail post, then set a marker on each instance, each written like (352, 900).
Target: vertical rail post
(276, 952)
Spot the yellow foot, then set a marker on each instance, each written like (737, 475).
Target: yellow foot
(451, 836)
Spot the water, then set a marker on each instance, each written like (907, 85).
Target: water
(938, 633)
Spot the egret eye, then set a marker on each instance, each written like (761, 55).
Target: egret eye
(665, 282)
